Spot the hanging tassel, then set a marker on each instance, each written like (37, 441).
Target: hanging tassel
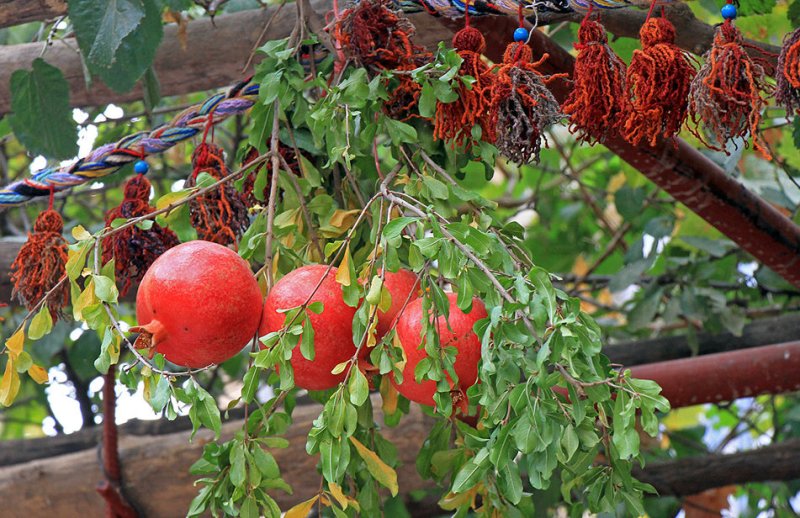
(248, 188)
(522, 106)
(373, 34)
(454, 121)
(725, 97)
(134, 249)
(598, 103)
(220, 215)
(658, 79)
(787, 76)
(41, 264)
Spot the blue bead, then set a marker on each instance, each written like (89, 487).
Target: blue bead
(728, 11)
(521, 34)
(141, 167)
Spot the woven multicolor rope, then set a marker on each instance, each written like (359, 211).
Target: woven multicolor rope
(110, 158)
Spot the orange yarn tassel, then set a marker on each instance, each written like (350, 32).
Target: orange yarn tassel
(598, 103)
(522, 106)
(220, 215)
(134, 249)
(658, 79)
(41, 264)
(248, 188)
(454, 121)
(787, 90)
(374, 34)
(725, 97)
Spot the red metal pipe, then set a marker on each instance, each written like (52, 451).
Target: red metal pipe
(682, 171)
(712, 378)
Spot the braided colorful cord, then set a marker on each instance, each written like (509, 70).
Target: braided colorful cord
(110, 158)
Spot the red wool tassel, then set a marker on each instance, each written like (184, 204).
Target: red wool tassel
(248, 188)
(658, 80)
(522, 106)
(41, 263)
(373, 34)
(134, 249)
(220, 215)
(787, 89)
(725, 97)
(454, 121)
(598, 103)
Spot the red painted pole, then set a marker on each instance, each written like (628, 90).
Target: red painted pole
(712, 378)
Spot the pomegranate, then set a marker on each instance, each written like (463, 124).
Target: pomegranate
(402, 286)
(333, 327)
(459, 335)
(198, 304)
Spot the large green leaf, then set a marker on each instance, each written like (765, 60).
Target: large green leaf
(118, 38)
(101, 25)
(42, 119)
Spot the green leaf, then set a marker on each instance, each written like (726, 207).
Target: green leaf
(400, 131)
(42, 119)
(105, 289)
(101, 25)
(544, 288)
(383, 473)
(134, 44)
(250, 384)
(470, 473)
(358, 387)
(238, 472)
(307, 340)
(160, 396)
(427, 101)
(794, 17)
(395, 228)
(41, 324)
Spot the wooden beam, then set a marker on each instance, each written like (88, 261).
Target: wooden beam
(766, 331)
(15, 12)
(692, 475)
(214, 56)
(156, 471)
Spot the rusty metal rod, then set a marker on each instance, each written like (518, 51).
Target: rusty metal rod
(713, 378)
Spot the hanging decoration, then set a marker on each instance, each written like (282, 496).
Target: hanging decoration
(220, 215)
(725, 100)
(376, 35)
(787, 75)
(658, 81)
(248, 187)
(133, 248)
(521, 105)
(598, 104)
(41, 264)
(453, 122)
(110, 158)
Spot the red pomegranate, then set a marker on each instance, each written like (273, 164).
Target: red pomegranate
(198, 304)
(402, 286)
(459, 335)
(333, 328)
